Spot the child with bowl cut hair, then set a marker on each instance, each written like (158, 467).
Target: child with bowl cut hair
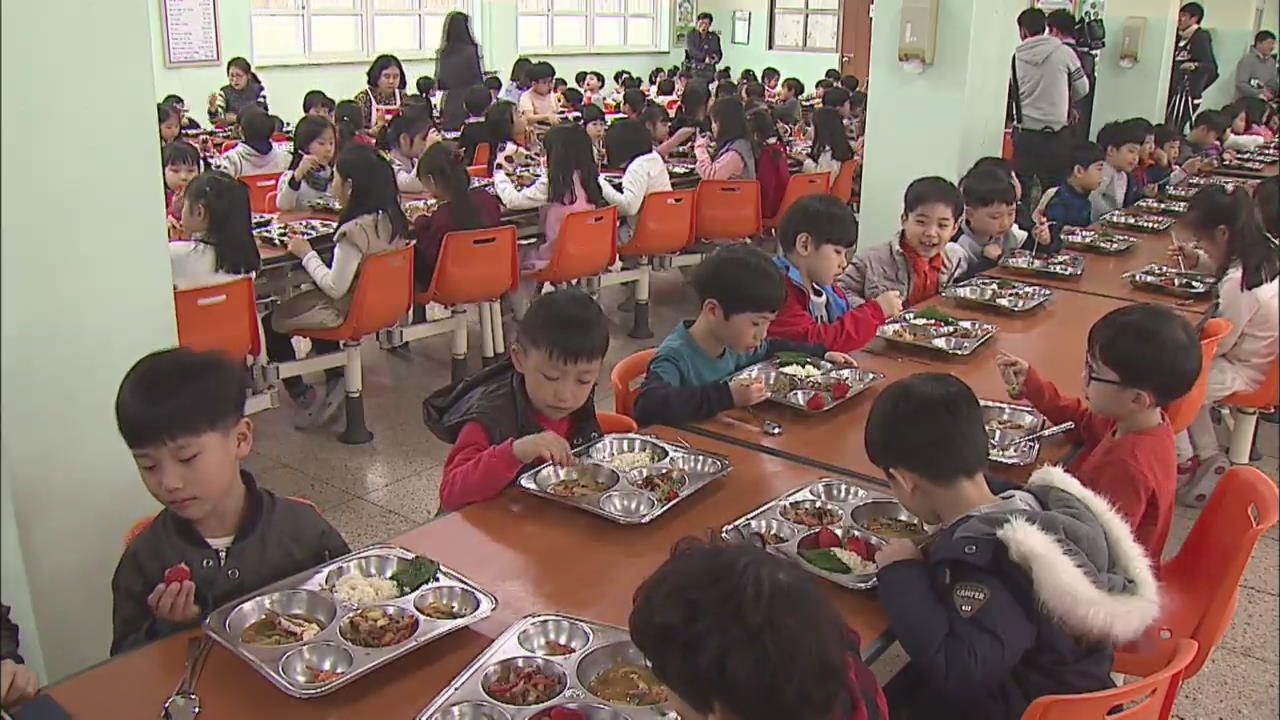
(534, 407)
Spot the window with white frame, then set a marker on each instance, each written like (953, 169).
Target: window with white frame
(550, 26)
(804, 25)
(327, 30)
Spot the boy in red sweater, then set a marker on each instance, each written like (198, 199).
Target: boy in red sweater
(534, 407)
(814, 237)
(1140, 358)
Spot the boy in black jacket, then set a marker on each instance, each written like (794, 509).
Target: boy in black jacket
(476, 100)
(1018, 595)
(219, 536)
(741, 291)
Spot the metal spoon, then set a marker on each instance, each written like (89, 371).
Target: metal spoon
(1048, 432)
(768, 427)
(184, 704)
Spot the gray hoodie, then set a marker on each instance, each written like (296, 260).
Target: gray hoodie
(1049, 79)
(1255, 72)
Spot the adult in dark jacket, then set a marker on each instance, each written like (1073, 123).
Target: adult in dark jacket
(243, 89)
(702, 49)
(1194, 66)
(457, 68)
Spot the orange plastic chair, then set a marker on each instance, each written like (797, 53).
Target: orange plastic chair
(587, 246)
(474, 266)
(478, 171)
(1245, 407)
(842, 186)
(1150, 698)
(481, 157)
(727, 209)
(1184, 410)
(615, 423)
(797, 187)
(664, 225)
(261, 187)
(219, 317)
(383, 294)
(626, 377)
(143, 523)
(1199, 585)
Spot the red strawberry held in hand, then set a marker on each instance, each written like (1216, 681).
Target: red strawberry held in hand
(827, 538)
(840, 389)
(179, 573)
(815, 402)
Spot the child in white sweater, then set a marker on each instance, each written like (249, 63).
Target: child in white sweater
(831, 148)
(1233, 245)
(221, 247)
(406, 138)
(255, 154)
(310, 175)
(630, 147)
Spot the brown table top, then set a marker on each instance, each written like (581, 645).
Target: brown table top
(1052, 338)
(1103, 274)
(533, 554)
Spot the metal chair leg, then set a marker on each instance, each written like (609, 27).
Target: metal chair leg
(640, 313)
(356, 431)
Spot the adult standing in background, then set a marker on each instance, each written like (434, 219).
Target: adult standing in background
(1047, 78)
(382, 97)
(1194, 67)
(1062, 25)
(1256, 74)
(702, 49)
(457, 68)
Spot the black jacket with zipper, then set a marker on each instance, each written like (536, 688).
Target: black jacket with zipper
(278, 537)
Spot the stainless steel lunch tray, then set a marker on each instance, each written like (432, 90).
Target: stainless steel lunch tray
(1258, 156)
(596, 648)
(1181, 192)
(1022, 453)
(1102, 241)
(261, 220)
(1137, 221)
(795, 392)
(1162, 207)
(622, 501)
(833, 492)
(1060, 265)
(280, 233)
(310, 590)
(999, 293)
(900, 329)
(324, 204)
(1187, 284)
(1239, 165)
(1200, 181)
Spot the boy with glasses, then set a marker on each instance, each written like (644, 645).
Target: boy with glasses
(1139, 359)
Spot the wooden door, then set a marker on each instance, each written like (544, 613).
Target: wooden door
(855, 38)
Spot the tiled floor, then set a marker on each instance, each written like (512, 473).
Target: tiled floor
(375, 491)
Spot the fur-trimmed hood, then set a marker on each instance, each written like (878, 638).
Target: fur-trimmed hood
(1088, 571)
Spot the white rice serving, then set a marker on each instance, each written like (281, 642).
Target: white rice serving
(854, 561)
(360, 590)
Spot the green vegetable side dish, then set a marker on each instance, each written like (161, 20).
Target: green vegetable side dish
(417, 573)
(794, 358)
(933, 313)
(826, 560)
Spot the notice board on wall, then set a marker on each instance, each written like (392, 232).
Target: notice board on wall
(191, 33)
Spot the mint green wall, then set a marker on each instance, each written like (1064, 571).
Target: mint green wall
(939, 121)
(1232, 25)
(808, 67)
(85, 291)
(13, 577)
(1141, 90)
(495, 27)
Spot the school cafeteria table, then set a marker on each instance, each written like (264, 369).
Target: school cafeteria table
(533, 554)
(1051, 337)
(1104, 274)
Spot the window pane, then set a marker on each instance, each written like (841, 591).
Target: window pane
(608, 6)
(531, 31)
(277, 36)
(443, 6)
(393, 5)
(276, 5)
(640, 7)
(395, 32)
(569, 6)
(608, 31)
(640, 32)
(822, 31)
(336, 34)
(569, 30)
(335, 4)
(534, 5)
(824, 4)
(432, 29)
(788, 30)
(788, 3)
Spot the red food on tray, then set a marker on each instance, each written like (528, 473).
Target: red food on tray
(840, 389)
(179, 573)
(815, 402)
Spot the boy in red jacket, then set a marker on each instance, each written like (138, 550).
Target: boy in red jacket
(814, 237)
(736, 632)
(1139, 359)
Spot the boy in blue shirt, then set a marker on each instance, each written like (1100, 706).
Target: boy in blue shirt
(1068, 204)
(741, 291)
